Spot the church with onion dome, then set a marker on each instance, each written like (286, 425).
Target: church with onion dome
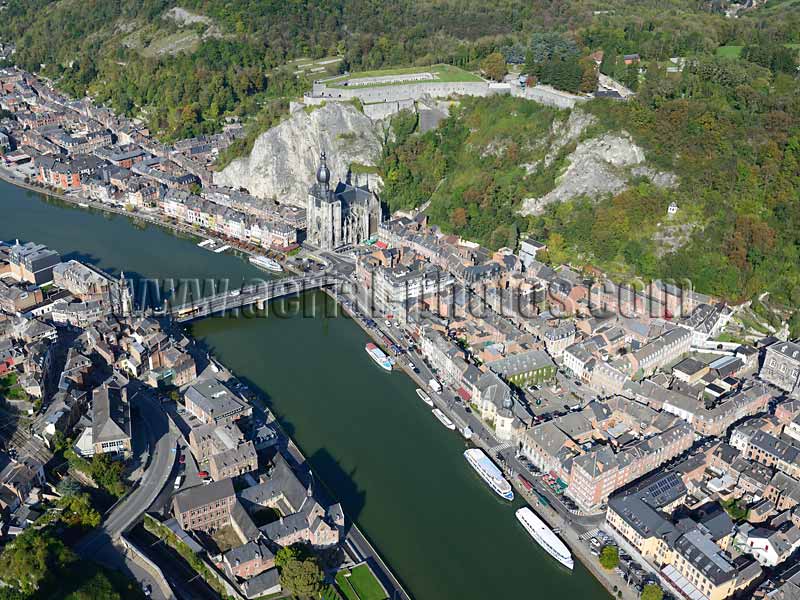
(340, 215)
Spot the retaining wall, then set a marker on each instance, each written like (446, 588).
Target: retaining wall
(382, 110)
(406, 91)
(151, 567)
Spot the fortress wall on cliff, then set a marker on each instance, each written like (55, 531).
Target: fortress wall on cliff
(383, 101)
(406, 91)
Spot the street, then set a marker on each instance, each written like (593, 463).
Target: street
(161, 441)
(452, 405)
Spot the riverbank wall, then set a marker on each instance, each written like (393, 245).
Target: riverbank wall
(610, 580)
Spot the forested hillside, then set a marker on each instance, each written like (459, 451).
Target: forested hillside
(232, 57)
(728, 128)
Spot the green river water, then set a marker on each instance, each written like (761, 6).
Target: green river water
(374, 444)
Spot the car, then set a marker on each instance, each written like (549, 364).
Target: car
(388, 323)
(412, 366)
(202, 474)
(178, 482)
(467, 408)
(234, 293)
(182, 459)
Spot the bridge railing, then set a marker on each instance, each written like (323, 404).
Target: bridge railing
(250, 294)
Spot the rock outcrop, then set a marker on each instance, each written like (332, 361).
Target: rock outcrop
(284, 159)
(598, 165)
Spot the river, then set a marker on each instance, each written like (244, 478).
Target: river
(373, 443)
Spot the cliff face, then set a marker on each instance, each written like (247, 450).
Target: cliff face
(596, 167)
(285, 158)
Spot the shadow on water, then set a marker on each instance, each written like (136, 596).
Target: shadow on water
(338, 483)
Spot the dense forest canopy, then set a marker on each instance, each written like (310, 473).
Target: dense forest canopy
(236, 63)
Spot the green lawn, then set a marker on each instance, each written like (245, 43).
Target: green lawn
(736, 51)
(360, 585)
(730, 51)
(9, 388)
(444, 73)
(330, 593)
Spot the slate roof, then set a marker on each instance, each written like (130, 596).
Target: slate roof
(249, 551)
(111, 417)
(282, 482)
(201, 495)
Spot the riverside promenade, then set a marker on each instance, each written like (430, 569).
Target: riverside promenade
(571, 526)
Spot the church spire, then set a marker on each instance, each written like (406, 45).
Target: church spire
(323, 173)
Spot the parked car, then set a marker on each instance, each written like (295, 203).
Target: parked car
(182, 459)
(202, 474)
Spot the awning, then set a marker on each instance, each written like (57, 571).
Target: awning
(382, 245)
(464, 394)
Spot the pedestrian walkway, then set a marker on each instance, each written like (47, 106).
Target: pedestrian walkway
(589, 534)
(502, 447)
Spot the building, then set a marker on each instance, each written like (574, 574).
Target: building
(701, 569)
(16, 298)
(248, 560)
(689, 551)
(302, 518)
(344, 215)
(90, 284)
(640, 514)
(770, 547)
(774, 452)
(32, 262)
(637, 439)
(230, 462)
(559, 338)
(111, 419)
(205, 507)
(689, 370)
(525, 368)
(714, 418)
(213, 403)
(781, 366)
(528, 248)
(397, 287)
(666, 348)
(23, 477)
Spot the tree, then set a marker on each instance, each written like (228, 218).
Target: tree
(609, 64)
(495, 66)
(68, 487)
(609, 557)
(652, 591)
(33, 558)
(77, 511)
(794, 324)
(302, 577)
(289, 553)
(108, 474)
(589, 75)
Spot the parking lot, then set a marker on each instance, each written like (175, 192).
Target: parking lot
(634, 574)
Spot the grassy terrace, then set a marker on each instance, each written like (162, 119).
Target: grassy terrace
(442, 73)
(736, 51)
(360, 584)
(730, 51)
